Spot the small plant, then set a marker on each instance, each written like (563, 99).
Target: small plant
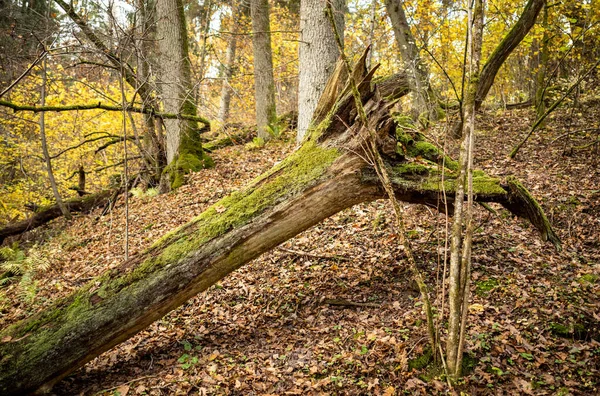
(140, 193)
(17, 264)
(256, 143)
(274, 130)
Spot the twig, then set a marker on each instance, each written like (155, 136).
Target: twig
(382, 173)
(539, 121)
(11, 86)
(348, 303)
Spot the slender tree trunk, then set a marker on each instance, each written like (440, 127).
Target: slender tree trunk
(424, 101)
(264, 84)
(318, 54)
(64, 210)
(372, 32)
(153, 150)
(512, 39)
(460, 261)
(229, 66)
(184, 149)
(540, 105)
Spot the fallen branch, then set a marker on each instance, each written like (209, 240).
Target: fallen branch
(348, 303)
(325, 175)
(100, 106)
(44, 214)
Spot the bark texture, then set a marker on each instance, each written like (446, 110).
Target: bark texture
(229, 66)
(325, 175)
(512, 39)
(184, 150)
(47, 158)
(153, 151)
(318, 53)
(264, 84)
(506, 47)
(460, 248)
(424, 102)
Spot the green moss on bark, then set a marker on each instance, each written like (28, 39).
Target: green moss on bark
(416, 146)
(300, 170)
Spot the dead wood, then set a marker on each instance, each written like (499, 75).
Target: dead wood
(327, 174)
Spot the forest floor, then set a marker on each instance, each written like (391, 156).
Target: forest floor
(271, 327)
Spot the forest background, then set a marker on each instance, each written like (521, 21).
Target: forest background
(556, 64)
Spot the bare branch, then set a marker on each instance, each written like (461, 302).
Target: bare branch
(100, 106)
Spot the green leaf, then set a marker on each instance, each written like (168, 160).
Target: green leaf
(527, 356)
(184, 358)
(187, 346)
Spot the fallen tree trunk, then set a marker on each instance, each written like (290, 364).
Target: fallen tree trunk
(324, 176)
(45, 214)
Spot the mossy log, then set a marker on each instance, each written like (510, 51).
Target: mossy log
(44, 214)
(325, 175)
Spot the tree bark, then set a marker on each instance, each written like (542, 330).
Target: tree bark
(505, 48)
(63, 209)
(424, 102)
(544, 55)
(318, 54)
(153, 152)
(264, 84)
(460, 248)
(184, 149)
(229, 66)
(512, 39)
(324, 176)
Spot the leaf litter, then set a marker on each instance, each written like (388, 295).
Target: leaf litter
(268, 329)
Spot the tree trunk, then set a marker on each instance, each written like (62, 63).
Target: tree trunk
(544, 55)
(229, 66)
(424, 102)
(264, 84)
(324, 176)
(318, 54)
(460, 249)
(184, 149)
(153, 150)
(512, 39)
(63, 209)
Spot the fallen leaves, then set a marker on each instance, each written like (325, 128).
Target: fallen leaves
(265, 330)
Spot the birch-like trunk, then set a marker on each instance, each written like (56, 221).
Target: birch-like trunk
(264, 84)
(460, 248)
(318, 54)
